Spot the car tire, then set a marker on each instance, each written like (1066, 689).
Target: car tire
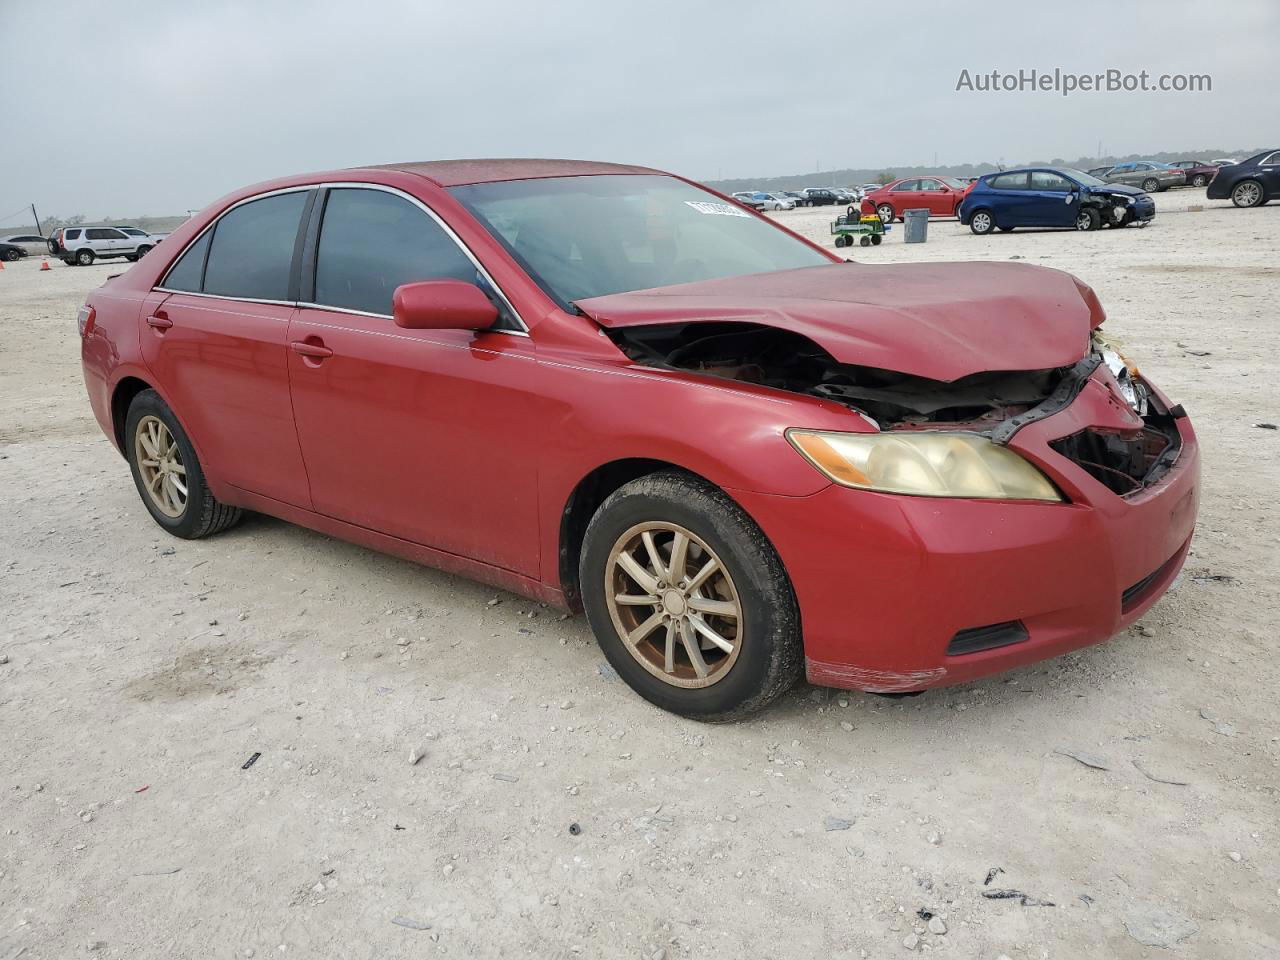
(13, 255)
(141, 252)
(84, 258)
(167, 472)
(705, 682)
(1151, 185)
(982, 222)
(131, 257)
(885, 212)
(1199, 180)
(1088, 219)
(1247, 193)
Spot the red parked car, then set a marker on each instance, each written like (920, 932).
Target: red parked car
(611, 389)
(941, 196)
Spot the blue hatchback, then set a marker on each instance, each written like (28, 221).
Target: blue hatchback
(1052, 197)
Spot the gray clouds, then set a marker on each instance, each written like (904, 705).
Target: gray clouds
(157, 107)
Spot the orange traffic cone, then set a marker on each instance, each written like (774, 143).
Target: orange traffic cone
(1, 264)
(44, 265)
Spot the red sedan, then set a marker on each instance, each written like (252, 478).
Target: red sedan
(611, 389)
(941, 196)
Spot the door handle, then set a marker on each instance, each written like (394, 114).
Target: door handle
(159, 320)
(317, 351)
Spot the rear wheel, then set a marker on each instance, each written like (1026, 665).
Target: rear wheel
(885, 212)
(875, 239)
(865, 241)
(1199, 180)
(1247, 193)
(688, 600)
(167, 472)
(84, 258)
(1151, 185)
(982, 222)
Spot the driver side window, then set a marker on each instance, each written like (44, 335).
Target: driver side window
(372, 242)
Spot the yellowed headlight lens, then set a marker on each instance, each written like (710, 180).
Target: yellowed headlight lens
(925, 464)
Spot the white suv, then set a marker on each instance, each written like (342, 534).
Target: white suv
(83, 245)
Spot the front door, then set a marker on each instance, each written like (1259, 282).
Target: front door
(427, 435)
(936, 198)
(214, 337)
(1051, 200)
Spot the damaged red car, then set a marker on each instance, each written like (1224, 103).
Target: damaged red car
(613, 390)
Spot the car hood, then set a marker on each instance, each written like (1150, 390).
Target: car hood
(1122, 188)
(942, 321)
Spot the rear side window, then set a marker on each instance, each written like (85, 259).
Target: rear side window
(372, 242)
(1009, 181)
(72, 235)
(252, 249)
(188, 272)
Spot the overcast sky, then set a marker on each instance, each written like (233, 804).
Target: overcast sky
(138, 107)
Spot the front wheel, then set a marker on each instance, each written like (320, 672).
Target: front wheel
(12, 255)
(982, 222)
(875, 239)
(167, 472)
(1088, 219)
(688, 600)
(1247, 193)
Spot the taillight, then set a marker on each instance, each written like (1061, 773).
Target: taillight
(84, 320)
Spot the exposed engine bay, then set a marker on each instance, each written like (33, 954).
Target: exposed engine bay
(995, 403)
(1113, 208)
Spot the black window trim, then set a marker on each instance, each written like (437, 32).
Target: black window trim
(311, 245)
(302, 270)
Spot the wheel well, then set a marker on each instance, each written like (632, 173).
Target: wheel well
(591, 491)
(125, 391)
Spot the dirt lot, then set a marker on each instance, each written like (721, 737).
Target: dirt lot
(140, 672)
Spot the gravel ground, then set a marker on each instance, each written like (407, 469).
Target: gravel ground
(1129, 790)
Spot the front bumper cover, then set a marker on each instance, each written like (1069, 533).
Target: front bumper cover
(885, 582)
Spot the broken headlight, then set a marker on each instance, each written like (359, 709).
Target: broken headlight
(925, 464)
(1125, 372)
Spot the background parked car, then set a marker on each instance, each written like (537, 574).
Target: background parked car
(1250, 183)
(11, 252)
(747, 200)
(773, 201)
(1052, 197)
(82, 245)
(1224, 161)
(820, 196)
(941, 196)
(31, 243)
(1198, 172)
(800, 199)
(1099, 172)
(1151, 176)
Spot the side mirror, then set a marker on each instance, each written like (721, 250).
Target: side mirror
(442, 305)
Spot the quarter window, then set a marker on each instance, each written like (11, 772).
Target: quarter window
(188, 273)
(1273, 159)
(372, 242)
(252, 249)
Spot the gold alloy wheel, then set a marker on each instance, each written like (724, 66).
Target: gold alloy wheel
(160, 464)
(674, 604)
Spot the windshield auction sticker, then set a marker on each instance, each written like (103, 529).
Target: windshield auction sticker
(719, 209)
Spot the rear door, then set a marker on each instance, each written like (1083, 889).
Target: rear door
(431, 436)
(1011, 199)
(216, 344)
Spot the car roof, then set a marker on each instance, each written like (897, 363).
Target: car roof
(454, 173)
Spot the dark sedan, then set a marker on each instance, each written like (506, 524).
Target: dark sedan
(1198, 172)
(11, 252)
(1250, 183)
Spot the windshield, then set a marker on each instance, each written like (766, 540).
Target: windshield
(1086, 179)
(582, 237)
